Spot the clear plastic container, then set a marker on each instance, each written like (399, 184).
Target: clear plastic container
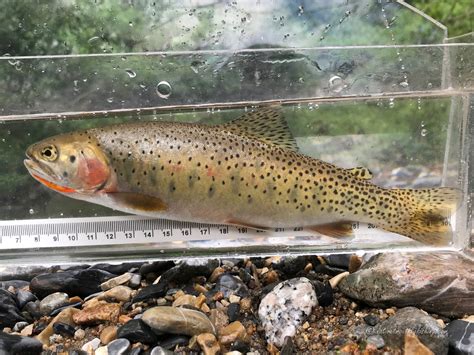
(402, 109)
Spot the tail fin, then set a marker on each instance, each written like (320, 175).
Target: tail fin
(428, 214)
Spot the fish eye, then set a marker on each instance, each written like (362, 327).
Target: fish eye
(49, 153)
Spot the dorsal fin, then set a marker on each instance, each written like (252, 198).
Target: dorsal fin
(265, 124)
(361, 172)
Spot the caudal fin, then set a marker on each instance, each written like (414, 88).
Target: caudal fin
(428, 213)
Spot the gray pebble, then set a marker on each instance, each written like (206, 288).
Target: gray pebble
(377, 340)
(118, 346)
(158, 350)
(53, 301)
(135, 280)
(19, 326)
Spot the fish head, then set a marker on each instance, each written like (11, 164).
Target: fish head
(69, 163)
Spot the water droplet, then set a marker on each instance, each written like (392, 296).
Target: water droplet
(130, 23)
(404, 84)
(163, 89)
(130, 73)
(391, 102)
(110, 100)
(424, 132)
(418, 103)
(300, 10)
(31, 211)
(429, 86)
(336, 84)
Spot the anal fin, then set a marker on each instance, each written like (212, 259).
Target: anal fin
(137, 202)
(341, 229)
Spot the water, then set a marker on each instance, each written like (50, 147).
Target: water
(411, 141)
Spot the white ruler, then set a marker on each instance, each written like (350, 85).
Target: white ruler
(77, 232)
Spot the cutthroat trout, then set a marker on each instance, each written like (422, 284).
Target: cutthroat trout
(247, 172)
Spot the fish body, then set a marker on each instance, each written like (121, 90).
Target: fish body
(247, 172)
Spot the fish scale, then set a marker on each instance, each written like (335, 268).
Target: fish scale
(246, 172)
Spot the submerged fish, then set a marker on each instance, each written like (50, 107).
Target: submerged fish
(246, 172)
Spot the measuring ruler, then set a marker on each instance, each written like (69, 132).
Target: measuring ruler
(76, 232)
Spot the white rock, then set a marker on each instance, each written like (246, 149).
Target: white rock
(285, 308)
(91, 345)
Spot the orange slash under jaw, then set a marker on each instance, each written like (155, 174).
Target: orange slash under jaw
(52, 185)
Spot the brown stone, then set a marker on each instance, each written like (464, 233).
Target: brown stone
(118, 293)
(105, 312)
(108, 334)
(208, 343)
(218, 271)
(65, 316)
(246, 304)
(270, 277)
(234, 331)
(75, 299)
(272, 349)
(184, 300)
(124, 319)
(413, 345)
(355, 262)
(205, 308)
(200, 300)
(218, 296)
(219, 318)
(200, 288)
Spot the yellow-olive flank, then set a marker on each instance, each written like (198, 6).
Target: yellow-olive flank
(247, 172)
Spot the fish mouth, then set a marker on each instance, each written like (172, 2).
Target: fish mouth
(44, 175)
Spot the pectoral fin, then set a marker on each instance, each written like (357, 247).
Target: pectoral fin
(335, 230)
(138, 202)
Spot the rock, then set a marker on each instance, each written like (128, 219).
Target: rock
(157, 267)
(461, 336)
(285, 308)
(171, 341)
(441, 282)
(291, 265)
(240, 346)
(185, 300)
(371, 319)
(118, 346)
(119, 280)
(287, 348)
(16, 284)
(64, 329)
(233, 332)
(231, 285)
(27, 331)
(187, 269)
(324, 293)
(9, 312)
(218, 271)
(376, 340)
(23, 297)
(65, 316)
(152, 291)
(91, 346)
(75, 282)
(79, 334)
(53, 301)
(158, 350)
(102, 350)
(233, 311)
(118, 293)
(137, 331)
(135, 281)
(108, 334)
(117, 269)
(413, 345)
(178, 321)
(19, 326)
(427, 329)
(103, 312)
(219, 318)
(19, 345)
(33, 309)
(208, 344)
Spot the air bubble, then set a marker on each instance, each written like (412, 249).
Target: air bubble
(391, 102)
(31, 211)
(110, 100)
(404, 84)
(130, 73)
(163, 89)
(424, 132)
(336, 84)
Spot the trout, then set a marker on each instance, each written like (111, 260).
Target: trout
(247, 172)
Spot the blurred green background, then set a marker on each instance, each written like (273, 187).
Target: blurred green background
(48, 27)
